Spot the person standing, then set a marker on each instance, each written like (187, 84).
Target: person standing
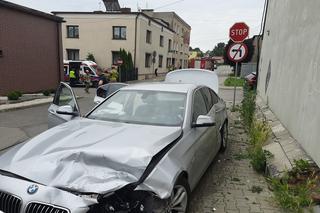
(102, 78)
(87, 81)
(156, 72)
(72, 77)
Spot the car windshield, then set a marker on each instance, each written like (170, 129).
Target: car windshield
(143, 107)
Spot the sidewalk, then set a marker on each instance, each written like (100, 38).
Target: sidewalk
(25, 104)
(230, 185)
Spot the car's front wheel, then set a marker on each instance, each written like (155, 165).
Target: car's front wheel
(224, 137)
(179, 201)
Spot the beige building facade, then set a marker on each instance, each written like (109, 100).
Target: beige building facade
(149, 40)
(181, 39)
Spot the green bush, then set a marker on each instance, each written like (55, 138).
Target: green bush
(18, 93)
(46, 92)
(248, 106)
(14, 95)
(295, 194)
(258, 135)
(90, 57)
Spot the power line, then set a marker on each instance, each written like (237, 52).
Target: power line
(166, 5)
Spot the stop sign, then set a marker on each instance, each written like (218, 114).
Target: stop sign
(239, 32)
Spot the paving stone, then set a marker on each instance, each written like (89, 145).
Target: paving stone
(226, 186)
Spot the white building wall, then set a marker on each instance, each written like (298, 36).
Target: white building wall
(291, 54)
(96, 37)
(143, 47)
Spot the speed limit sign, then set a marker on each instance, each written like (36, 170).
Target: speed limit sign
(237, 52)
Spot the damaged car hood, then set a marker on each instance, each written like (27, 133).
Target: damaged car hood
(89, 155)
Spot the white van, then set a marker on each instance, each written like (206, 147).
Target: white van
(80, 67)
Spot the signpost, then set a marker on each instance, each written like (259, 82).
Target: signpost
(238, 51)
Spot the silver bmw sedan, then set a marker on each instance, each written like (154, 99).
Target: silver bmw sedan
(143, 149)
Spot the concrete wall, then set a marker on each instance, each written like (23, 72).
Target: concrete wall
(31, 51)
(290, 58)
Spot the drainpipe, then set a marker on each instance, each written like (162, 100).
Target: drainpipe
(135, 42)
(60, 62)
(261, 34)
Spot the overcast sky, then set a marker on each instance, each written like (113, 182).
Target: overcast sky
(209, 19)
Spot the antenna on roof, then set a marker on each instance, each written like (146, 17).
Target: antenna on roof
(138, 7)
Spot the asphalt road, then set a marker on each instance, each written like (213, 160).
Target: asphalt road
(18, 125)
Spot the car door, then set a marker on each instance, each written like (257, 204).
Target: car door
(203, 137)
(64, 106)
(213, 111)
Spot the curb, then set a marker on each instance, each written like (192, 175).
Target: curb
(230, 88)
(283, 146)
(26, 104)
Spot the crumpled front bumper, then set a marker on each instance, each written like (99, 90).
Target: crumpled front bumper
(45, 195)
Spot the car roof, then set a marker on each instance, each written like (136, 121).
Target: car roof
(161, 86)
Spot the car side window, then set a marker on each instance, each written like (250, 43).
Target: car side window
(207, 97)
(64, 97)
(215, 98)
(199, 106)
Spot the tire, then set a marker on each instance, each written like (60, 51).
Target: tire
(181, 187)
(224, 137)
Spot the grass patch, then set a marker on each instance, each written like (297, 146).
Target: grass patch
(240, 156)
(232, 81)
(298, 188)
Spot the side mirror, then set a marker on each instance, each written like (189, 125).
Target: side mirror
(204, 121)
(66, 110)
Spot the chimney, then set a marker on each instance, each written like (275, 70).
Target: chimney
(112, 5)
(125, 10)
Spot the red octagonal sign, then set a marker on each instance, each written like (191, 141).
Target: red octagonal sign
(239, 32)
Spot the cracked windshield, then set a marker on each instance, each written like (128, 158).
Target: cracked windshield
(171, 106)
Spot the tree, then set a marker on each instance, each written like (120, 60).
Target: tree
(90, 57)
(218, 50)
(126, 68)
(198, 50)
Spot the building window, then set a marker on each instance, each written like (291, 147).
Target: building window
(119, 33)
(149, 37)
(149, 22)
(168, 62)
(148, 60)
(115, 57)
(169, 45)
(160, 61)
(72, 31)
(73, 54)
(161, 41)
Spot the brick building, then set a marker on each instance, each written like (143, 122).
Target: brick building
(30, 49)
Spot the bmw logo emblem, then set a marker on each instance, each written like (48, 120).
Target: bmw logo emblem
(32, 189)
